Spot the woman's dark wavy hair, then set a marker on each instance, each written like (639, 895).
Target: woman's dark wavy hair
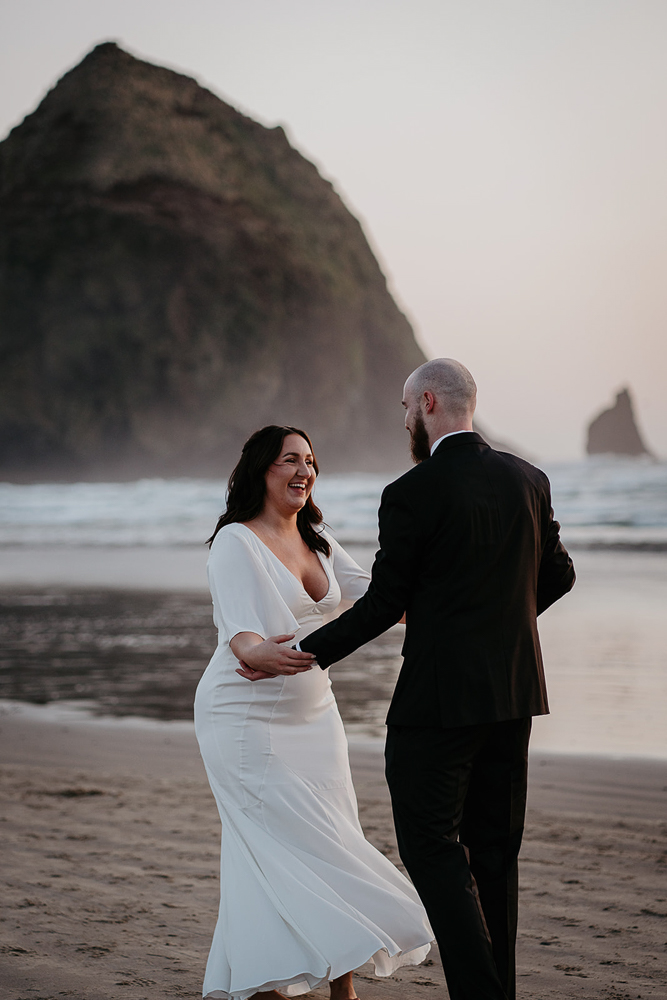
(246, 489)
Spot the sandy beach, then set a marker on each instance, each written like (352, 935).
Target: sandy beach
(111, 853)
(111, 837)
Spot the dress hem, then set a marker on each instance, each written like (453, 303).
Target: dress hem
(305, 982)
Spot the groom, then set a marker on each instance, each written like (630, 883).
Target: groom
(470, 551)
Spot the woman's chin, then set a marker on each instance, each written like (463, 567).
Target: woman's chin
(298, 499)
(292, 505)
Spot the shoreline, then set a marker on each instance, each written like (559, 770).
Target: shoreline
(84, 714)
(183, 567)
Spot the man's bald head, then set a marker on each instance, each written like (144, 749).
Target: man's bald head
(449, 381)
(439, 398)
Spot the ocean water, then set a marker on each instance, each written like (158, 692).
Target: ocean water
(600, 502)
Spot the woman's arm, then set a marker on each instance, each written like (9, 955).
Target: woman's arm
(352, 579)
(261, 658)
(249, 605)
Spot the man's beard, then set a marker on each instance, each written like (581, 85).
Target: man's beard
(419, 446)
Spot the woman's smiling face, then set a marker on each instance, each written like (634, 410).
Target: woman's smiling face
(291, 477)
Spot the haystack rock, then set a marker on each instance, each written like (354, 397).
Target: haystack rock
(174, 275)
(614, 431)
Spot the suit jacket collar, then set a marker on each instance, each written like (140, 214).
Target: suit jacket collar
(458, 441)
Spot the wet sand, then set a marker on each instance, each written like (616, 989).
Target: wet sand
(110, 883)
(107, 620)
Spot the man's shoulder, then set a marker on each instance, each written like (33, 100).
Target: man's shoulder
(408, 481)
(415, 480)
(523, 467)
(432, 469)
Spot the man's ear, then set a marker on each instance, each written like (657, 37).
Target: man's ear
(429, 401)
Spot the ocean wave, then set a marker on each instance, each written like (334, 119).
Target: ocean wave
(601, 503)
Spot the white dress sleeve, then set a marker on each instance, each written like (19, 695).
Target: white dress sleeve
(352, 579)
(245, 598)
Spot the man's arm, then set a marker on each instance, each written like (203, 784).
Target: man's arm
(392, 584)
(556, 575)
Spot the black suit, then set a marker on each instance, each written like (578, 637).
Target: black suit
(470, 551)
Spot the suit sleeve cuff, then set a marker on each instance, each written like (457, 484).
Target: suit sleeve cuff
(297, 646)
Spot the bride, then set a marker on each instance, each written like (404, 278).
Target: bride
(305, 899)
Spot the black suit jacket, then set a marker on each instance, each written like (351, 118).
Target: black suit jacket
(470, 550)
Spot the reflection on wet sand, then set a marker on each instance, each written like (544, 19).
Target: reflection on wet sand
(141, 653)
(127, 653)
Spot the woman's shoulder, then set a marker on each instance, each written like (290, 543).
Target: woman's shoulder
(232, 536)
(234, 528)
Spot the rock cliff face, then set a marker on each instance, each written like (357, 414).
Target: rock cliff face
(174, 275)
(614, 431)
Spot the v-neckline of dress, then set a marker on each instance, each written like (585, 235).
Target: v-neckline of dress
(288, 570)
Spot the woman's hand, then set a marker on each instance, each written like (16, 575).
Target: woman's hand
(261, 658)
(252, 675)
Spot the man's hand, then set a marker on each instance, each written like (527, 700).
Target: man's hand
(262, 658)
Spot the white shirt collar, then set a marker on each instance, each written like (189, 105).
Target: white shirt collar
(451, 434)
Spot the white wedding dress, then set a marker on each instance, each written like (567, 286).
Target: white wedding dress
(304, 897)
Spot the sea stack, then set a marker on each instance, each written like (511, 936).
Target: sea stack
(614, 431)
(175, 275)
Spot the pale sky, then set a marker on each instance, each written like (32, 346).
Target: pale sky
(508, 161)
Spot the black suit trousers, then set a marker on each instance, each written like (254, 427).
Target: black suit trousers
(459, 801)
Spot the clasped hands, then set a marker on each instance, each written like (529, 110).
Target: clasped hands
(263, 658)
